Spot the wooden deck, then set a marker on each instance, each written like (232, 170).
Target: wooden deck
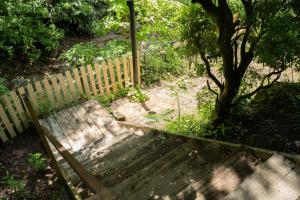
(138, 165)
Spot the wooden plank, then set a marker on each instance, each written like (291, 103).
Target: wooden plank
(131, 70)
(66, 94)
(3, 136)
(7, 123)
(49, 91)
(92, 80)
(85, 81)
(125, 69)
(78, 81)
(21, 92)
(112, 75)
(107, 86)
(69, 132)
(32, 96)
(59, 103)
(99, 79)
(119, 75)
(72, 94)
(139, 69)
(12, 113)
(19, 108)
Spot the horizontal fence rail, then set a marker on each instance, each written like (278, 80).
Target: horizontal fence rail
(63, 90)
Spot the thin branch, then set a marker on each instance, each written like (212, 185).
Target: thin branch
(260, 87)
(210, 89)
(210, 74)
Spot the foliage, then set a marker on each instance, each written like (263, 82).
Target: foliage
(3, 88)
(23, 31)
(37, 160)
(239, 32)
(135, 94)
(106, 100)
(161, 61)
(17, 186)
(89, 53)
(77, 16)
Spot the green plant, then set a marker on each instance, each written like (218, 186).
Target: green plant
(77, 16)
(89, 53)
(135, 94)
(37, 160)
(46, 107)
(23, 31)
(17, 186)
(3, 88)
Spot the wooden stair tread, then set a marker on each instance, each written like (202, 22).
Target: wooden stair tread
(278, 178)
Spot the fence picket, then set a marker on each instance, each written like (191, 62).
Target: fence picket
(125, 68)
(78, 81)
(99, 79)
(139, 69)
(32, 96)
(66, 96)
(131, 70)
(85, 81)
(107, 87)
(12, 113)
(72, 93)
(7, 123)
(19, 108)
(112, 75)
(92, 80)
(49, 91)
(119, 75)
(59, 101)
(3, 136)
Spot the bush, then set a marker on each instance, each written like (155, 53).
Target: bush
(37, 161)
(3, 88)
(77, 16)
(159, 62)
(23, 29)
(86, 53)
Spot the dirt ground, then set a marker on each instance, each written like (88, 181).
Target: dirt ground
(162, 102)
(41, 185)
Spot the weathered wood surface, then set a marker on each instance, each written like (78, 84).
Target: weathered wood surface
(138, 165)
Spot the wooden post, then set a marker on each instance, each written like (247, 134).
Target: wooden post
(130, 4)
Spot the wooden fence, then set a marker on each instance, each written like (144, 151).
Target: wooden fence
(62, 90)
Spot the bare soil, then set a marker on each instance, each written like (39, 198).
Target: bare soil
(41, 185)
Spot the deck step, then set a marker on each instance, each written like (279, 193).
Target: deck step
(278, 179)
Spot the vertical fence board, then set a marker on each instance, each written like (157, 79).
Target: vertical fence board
(131, 70)
(7, 123)
(119, 75)
(49, 91)
(85, 81)
(66, 96)
(125, 68)
(32, 96)
(19, 108)
(139, 69)
(112, 75)
(78, 81)
(92, 80)
(21, 92)
(99, 79)
(12, 113)
(72, 92)
(59, 103)
(3, 136)
(107, 87)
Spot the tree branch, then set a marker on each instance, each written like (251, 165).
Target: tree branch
(260, 87)
(208, 6)
(210, 74)
(210, 89)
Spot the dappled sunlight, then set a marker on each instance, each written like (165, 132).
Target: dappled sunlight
(221, 175)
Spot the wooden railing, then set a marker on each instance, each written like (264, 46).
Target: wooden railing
(62, 90)
(100, 191)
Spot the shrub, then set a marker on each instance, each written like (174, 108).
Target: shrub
(86, 53)
(77, 16)
(23, 29)
(3, 88)
(161, 61)
(17, 186)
